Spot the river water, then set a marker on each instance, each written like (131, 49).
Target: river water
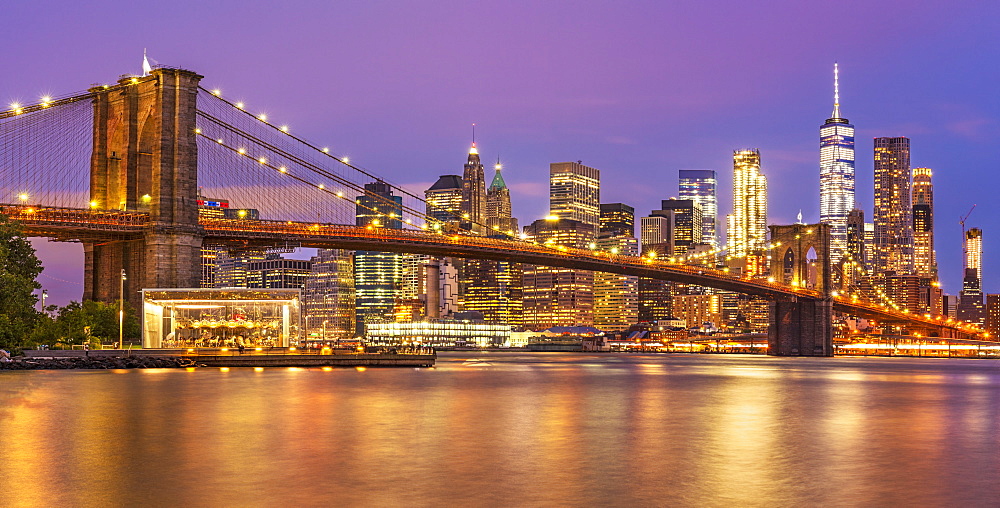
(510, 429)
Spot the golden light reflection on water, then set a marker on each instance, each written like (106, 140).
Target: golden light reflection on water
(508, 430)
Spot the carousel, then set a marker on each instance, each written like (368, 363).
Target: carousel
(220, 318)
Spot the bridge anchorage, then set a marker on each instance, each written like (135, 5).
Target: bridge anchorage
(156, 143)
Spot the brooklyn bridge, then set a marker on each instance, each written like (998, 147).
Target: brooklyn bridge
(119, 168)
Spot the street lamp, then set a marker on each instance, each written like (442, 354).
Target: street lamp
(121, 311)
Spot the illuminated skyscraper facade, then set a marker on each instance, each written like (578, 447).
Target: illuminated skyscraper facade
(856, 236)
(685, 217)
(575, 192)
(747, 225)
(893, 249)
(328, 296)
(499, 215)
(836, 174)
(698, 185)
(617, 219)
(559, 296)
(444, 201)
(278, 273)
(924, 259)
(444, 204)
(869, 237)
(473, 192)
(657, 230)
(970, 303)
(377, 275)
(494, 287)
(616, 297)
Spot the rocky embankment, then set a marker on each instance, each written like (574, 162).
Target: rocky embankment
(101, 362)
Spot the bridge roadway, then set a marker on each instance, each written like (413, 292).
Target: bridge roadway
(71, 224)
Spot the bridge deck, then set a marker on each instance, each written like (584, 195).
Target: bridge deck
(84, 224)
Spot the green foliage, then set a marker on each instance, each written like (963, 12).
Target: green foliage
(18, 269)
(22, 326)
(89, 322)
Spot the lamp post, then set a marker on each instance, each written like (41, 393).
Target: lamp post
(121, 311)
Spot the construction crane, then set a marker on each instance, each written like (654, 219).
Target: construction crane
(965, 248)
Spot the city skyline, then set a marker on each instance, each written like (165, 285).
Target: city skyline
(639, 134)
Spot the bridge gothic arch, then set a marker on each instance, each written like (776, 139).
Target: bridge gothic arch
(145, 158)
(791, 259)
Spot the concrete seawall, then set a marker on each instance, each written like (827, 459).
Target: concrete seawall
(351, 360)
(250, 358)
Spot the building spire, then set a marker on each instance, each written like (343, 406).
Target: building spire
(473, 150)
(146, 68)
(836, 91)
(498, 182)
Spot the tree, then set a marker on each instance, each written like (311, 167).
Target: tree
(88, 322)
(18, 269)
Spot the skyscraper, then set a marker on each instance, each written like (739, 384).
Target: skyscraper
(924, 260)
(698, 185)
(376, 274)
(856, 236)
(444, 204)
(685, 223)
(869, 237)
(444, 200)
(559, 296)
(278, 273)
(494, 287)
(617, 219)
(893, 249)
(575, 192)
(992, 321)
(473, 192)
(970, 302)
(499, 215)
(657, 230)
(836, 173)
(747, 228)
(328, 296)
(616, 300)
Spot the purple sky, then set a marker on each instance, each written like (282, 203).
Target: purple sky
(637, 91)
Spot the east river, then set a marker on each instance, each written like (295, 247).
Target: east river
(510, 429)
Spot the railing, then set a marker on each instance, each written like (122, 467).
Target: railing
(117, 221)
(265, 228)
(296, 351)
(104, 220)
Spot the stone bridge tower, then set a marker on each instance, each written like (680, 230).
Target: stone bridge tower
(801, 326)
(145, 158)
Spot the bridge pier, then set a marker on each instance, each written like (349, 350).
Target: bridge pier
(801, 328)
(145, 158)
